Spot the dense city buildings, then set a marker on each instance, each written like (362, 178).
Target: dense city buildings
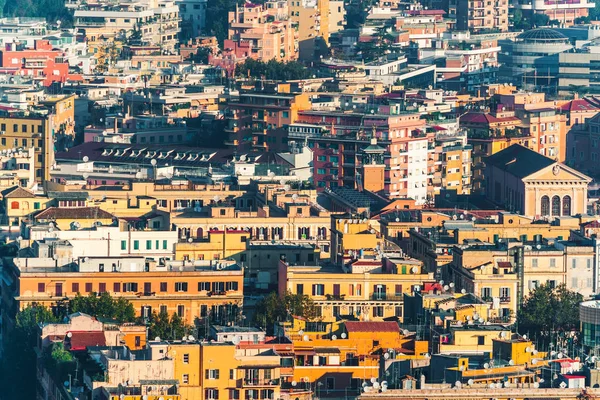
(297, 200)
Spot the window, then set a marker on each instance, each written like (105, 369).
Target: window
(574, 283)
(59, 290)
(534, 263)
(398, 311)
(545, 206)
(123, 244)
(211, 374)
(41, 287)
(164, 244)
(486, 292)
(36, 205)
(286, 114)
(100, 267)
(14, 205)
(533, 284)
(136, 244)
(75, 287)
(185, 378)
(102, 287)
(588, 263)
(234, 394)
(232, 374)
(566, 206)
(116, 287)
(186, 358)
(163, 309)
(163, 286)
(180, 311)
(398, 290)
(480, 340)
(15, 128)
(203, 286)
(553, 262)
(556, 205)
(378, 311)
(181, 286)
(148, 244)
(574, 263)
(318, 289)
(211, 394)
(130, 287)
(88, 287)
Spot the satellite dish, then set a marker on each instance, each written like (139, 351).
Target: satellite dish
(536, 385)
(191, 338)
(157, 339)
(457, 384)
(69, 334)
(386, 356)
(373, 379)
(506, 384)
(562, 385)
(306, 338)
(559, 355)
(492, 385)
(511, 362)
(344, 335)
(471, 382)
(86, 159)
(441, 282)
(446, 287)
(534, 361)
(294, 383)
(461, 368)
(463, 291)
(528, 349)
(451, 284)
(300, 332)
(486, 366)
(376, 385)
(534, 352)
(334, 337)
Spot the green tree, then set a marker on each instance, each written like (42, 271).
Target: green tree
(273, 308)
(160, 325)
(19, 359)
(103, 306)
(540, 20)
(548, 310)
(271, 69)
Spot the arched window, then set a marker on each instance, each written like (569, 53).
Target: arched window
(566, 205)
(545, 206)
(14, 205)
(556, 205)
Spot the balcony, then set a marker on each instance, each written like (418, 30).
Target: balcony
(504, 299)
(260, 382)
(386, 297)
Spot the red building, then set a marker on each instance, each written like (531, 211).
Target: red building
(42, 62)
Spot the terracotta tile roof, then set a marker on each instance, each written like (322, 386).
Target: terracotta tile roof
(82, 340)
(579, 105)
(592, 224)
(74, 213)
(355, 326)
(18, 192)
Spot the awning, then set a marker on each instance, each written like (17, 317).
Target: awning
(305, 352)
(327, 350)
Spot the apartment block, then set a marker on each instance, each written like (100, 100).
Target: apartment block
(311, 17)
(262, 32)
(480, 16)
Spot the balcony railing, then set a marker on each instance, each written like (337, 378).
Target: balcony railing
(386, 297)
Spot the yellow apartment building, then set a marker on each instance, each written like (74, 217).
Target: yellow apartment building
(474, 338)
(18, 132)
(456, 165)
(353, 238)
(20, 204)
(312, 20)
(336, 358)
(192, 290)
(213, 370)
(72, 218)
(370, 290)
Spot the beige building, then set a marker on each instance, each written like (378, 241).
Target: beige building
(337, 16)
(311, 17)
(526, 182)
(262, 32)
